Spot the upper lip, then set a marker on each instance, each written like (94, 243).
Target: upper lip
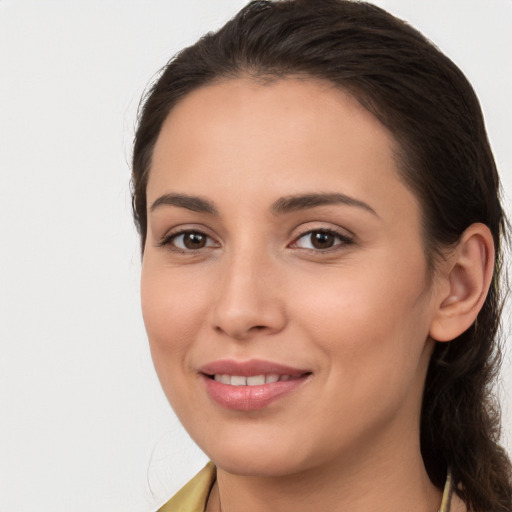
(250, 368)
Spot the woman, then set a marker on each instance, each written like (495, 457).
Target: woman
(320, 223)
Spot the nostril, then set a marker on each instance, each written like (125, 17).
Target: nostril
(243, 320)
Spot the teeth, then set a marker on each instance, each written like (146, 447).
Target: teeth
(238, 381)
(225, 379)
(254, 380)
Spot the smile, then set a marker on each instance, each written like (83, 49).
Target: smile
(255, 380)
(250, 385)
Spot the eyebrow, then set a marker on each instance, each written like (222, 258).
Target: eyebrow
(194, 203)
(282, 206)
(300, 202)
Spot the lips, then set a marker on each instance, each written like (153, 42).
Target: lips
(250, 385)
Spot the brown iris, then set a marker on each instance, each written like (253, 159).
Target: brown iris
(322, 240)
(194, 240)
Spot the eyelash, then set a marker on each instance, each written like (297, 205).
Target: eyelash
(168, 241)
(344, 240)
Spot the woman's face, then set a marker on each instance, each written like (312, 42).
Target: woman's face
(284, 281)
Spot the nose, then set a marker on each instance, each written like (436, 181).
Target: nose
(249, 301)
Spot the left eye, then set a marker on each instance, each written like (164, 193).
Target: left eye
(191, 240)
(320, 240)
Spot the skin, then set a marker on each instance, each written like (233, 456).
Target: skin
(357, 315)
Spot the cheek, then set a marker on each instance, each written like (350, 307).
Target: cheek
(173, 307)
(373, 345)
(173, 311)
(368, 323)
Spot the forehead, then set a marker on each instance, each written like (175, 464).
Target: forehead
(281, 109)
(294, 134)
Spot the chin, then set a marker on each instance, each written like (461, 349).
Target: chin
(261, 457)
(246, 464)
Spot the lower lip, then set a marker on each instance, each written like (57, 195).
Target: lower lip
(250, 398)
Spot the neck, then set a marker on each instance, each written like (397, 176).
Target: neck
(382, 480)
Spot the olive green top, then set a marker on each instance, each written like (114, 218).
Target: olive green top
(194, 495)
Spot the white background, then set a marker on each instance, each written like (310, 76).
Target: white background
(83, 423)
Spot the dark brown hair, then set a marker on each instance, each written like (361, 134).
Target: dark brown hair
(426, 102)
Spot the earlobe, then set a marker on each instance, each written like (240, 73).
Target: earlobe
(468, 275)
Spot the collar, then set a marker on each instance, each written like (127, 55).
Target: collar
(194, 496)
(447, 493)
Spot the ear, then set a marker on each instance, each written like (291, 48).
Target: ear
(463, 283)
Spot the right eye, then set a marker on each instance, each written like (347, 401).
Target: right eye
(187, 241)
(322, 240)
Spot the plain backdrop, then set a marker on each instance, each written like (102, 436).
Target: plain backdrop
(84, 425)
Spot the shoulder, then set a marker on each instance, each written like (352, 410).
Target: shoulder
(194, 495)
